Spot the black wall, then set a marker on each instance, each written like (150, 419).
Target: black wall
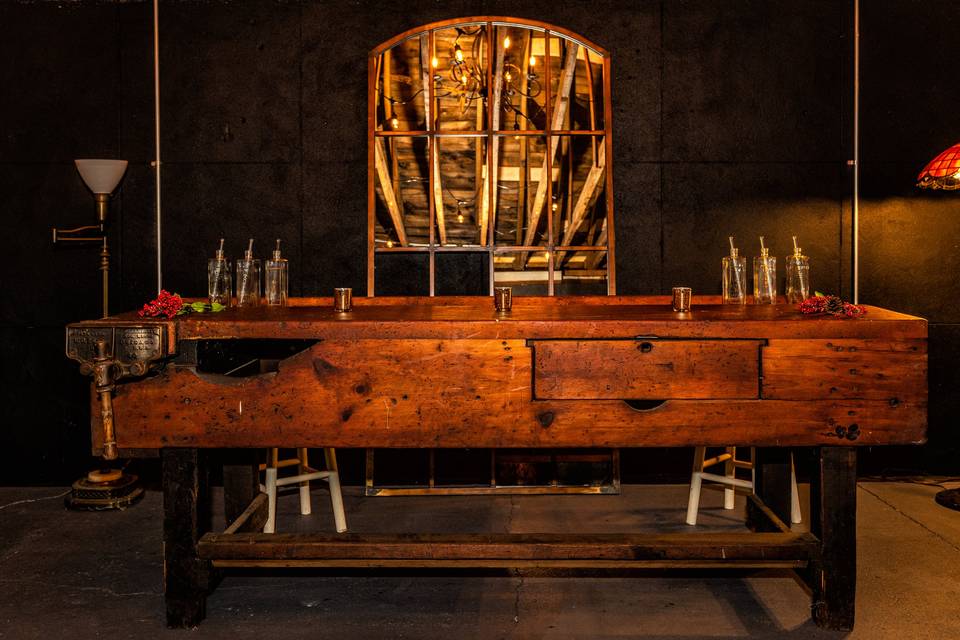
(730, 117)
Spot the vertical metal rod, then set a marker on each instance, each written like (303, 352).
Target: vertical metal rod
(856, 152)
(156, 133)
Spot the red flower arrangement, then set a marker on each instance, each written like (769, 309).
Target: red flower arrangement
(831, 305)
(166, 304)
(170, 305)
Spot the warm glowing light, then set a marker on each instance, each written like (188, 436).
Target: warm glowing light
(460, 217)
(506, 42)
(943, 172)
(394, 122)
(508, 76)
(434, 63)
(389, 244)
(533, 61)
(554, 206)
(458, 53)
(464, 78)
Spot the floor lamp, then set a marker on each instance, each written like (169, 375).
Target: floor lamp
(108, 488)
(943, 174)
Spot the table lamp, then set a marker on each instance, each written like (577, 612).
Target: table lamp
(102, 178)
(943, 173)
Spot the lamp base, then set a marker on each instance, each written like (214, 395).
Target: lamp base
(104, 490)
(949, 498)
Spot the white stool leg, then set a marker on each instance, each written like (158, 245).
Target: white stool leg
(795, 515)
(730, 471)
(271, 485)
(303, 468)
(693, 502)
(336, 498)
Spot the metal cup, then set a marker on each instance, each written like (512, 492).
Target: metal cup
(681, 299)
(503, 299)
(342, 299)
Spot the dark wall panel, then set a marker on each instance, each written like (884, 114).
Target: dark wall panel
(730, 117)
(703, 204)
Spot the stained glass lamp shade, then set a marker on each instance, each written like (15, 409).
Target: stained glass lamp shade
(943, 172)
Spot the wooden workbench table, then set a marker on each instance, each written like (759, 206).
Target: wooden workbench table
(573, 372)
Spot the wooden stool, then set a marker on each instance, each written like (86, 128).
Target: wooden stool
(731, 464)
(303, 477)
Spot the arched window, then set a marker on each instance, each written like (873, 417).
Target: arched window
(491, 136)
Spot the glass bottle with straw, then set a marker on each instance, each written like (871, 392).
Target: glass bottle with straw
(248, 279)
(764, 276)
(798, 275)
(734, 277)
(276, 285)
(218, 278)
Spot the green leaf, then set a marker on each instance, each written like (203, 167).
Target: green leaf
(216, 307)
(820, 294)
(198, 307)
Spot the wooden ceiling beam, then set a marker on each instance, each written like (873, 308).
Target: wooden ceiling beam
(386, 191)
(592, 187)
(488, 197)
(560, 106)
(426, 78)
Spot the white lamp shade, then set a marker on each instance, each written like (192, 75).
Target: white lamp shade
(101, 176)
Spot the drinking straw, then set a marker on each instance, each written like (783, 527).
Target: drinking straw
(766, 269)
(245, 276)
(736, 268)
(216, 272)
(798, 264)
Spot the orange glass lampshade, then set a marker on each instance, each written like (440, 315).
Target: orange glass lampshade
(943, 172)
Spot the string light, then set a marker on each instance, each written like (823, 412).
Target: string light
(506, 42)
(533, 61)
(458, 53)
(435, 62)
(508, 76)
(395, 122)
(389, 244)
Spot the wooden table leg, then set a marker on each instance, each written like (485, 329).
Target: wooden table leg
(241, 481)
(186, 517)
(833, 519)
(771, 469)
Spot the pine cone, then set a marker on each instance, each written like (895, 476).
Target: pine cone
(834, 305)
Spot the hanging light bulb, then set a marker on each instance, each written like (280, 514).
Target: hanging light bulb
(533, 61)
(506, 42)
(464, 79)
(507, 76)
(459, 213)
(389, 244)
(554, 206)
(395, 122)
(435, 62)
(458, 53)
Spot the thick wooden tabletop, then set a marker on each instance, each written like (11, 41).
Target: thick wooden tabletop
(532, 317)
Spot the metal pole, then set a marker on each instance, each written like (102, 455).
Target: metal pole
(856, 152)
(156, 133)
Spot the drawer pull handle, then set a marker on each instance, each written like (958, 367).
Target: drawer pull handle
(645, 405)
(646, 347)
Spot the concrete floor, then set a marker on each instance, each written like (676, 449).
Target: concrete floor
(82, 575)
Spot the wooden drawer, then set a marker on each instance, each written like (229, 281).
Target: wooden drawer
(646, 369)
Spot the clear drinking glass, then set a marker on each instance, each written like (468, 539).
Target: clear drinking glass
(765, 278)
(276, 282)
(248, 282)
(734, 280)
(798, 278)
(219, 286)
